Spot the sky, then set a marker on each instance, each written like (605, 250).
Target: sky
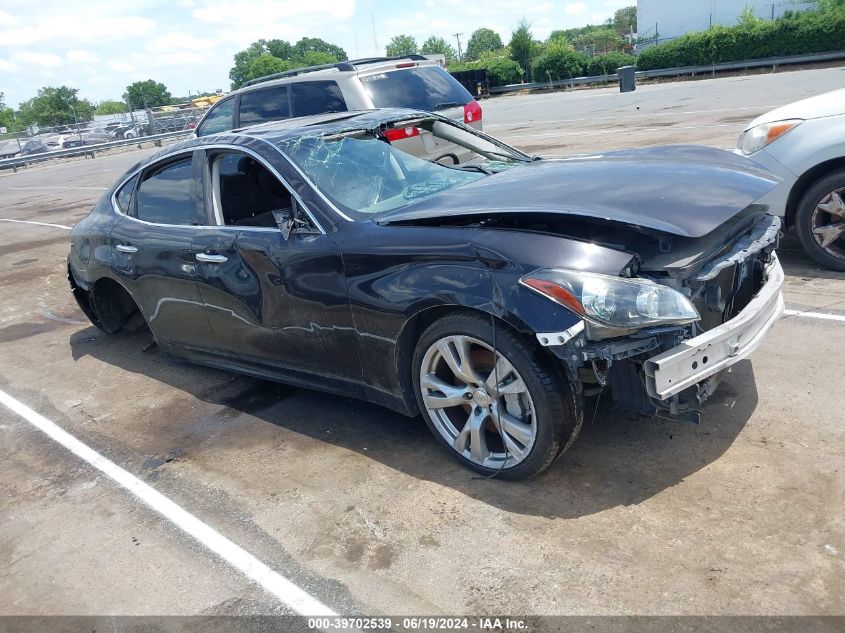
(101, 46)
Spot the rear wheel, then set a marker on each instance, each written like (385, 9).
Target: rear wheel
(508, 414)
(820, 221)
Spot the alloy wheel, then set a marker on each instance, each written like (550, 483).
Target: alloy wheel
(478, 402)
(828, 223)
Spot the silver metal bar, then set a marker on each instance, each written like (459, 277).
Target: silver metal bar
(126, 248)
(212, 259)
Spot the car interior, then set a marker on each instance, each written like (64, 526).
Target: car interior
(246, 193)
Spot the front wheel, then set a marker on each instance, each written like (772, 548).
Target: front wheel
(820, 221)
(507, 414)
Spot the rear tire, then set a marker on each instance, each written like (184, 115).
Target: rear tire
(464, 401)
(821, 217)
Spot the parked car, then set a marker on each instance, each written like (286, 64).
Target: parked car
(803, 143)
(139, 129)
(381, 82)
(9, 149)
(33, 146)
(488, 296)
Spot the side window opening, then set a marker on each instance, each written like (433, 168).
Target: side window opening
(165, 194)
(221, 119)
(316, 97)
(124, 196)
(259, 106)
(246, 193)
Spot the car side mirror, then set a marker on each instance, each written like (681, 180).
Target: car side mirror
(289, 222)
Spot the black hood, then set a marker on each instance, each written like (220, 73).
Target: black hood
(682, 190)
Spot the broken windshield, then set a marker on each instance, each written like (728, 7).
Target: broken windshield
(362, 173)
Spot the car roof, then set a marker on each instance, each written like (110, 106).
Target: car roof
(339, 69)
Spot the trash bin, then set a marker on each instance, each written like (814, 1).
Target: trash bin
(627, 78)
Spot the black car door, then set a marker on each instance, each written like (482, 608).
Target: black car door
(152, 252)
(279, 300)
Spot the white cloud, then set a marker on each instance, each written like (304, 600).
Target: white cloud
(42, 60)
(59, 28)
(120, 67)
(576, 8)
(7, 66)
(172, 42)
(7, 19)
(81, 57)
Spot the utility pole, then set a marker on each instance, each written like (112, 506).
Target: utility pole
(375, 38)
(457, 36)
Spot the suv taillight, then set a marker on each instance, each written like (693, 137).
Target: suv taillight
(472, 112)
(400, 134)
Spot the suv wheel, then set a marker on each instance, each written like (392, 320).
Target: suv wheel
(820, 221)
(511, 419)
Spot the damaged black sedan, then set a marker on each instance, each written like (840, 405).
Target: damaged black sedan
(483, 288)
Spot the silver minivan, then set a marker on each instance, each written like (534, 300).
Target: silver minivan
(413, 82)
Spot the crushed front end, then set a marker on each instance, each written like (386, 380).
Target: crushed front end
(727, 295)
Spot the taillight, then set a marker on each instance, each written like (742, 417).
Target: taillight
(400, 133)
(472, 112)
(406, 65)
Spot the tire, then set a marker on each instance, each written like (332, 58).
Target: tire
(813, 214)
(539, 414)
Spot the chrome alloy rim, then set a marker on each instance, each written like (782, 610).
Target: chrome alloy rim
(828, 223)
(492, 424)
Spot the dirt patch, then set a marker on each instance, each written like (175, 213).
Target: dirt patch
(21, 247)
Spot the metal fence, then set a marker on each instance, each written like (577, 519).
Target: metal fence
(89, 150)
(774, 62)
(81, 136)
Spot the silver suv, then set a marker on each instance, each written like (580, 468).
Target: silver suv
(413, 82)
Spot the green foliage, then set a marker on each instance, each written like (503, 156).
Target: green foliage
(522, 45)
(266, 64)
(501, 69)
(56, 106)
(327, 52)
(481, 41)
(401, 45)
(608, 63)
(109, 106)
(309, 51)
(434, 45)
(792, 34)
(598, 40)
(559, 61)
(7, 114)
(147, 94)
(625, 20)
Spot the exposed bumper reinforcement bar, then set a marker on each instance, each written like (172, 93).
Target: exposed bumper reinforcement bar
(699, 358)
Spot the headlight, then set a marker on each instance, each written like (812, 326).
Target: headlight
(613, 302)
(759, 136)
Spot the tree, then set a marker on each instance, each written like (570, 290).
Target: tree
(7, 114)
(522, 44)
(56, 106)
(625, 20)
(482, 40)
(110, 106)
(437, 45)
(147, 94)
(265, 65)
(599, 40)
(401, 45)
(316, 45)
(309, 51)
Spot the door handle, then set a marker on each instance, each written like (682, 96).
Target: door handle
(126, 248)
(212, 259)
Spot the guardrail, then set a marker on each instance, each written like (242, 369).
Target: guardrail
(675, 72)
(89, 150)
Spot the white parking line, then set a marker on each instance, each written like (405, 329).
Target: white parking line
(815, 315)
(290, 594)
(55, 226)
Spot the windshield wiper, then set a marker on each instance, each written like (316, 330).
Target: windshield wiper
(448, 104)
(479, 168)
